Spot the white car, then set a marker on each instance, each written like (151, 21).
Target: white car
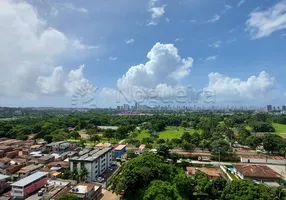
(100, 179)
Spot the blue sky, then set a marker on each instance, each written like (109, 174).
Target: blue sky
(234, 48)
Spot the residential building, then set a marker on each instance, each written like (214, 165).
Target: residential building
(30, 169)
(87, 191)
(256, 172)
(96, 161)
(119, 150)
(263, 159)
(57, 146)
(46, 159)
(4, 162)
(213, 173)
(29, 185)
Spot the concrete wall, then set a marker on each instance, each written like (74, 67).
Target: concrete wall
(262, 161)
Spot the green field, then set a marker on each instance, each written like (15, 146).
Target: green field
(143, 134)
(280, 128)
(171, 132)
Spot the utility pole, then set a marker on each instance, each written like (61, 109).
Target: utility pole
(219, 156)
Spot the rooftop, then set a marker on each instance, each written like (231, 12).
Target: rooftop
(32, 167)
(91, 155)
(256, 171)
(83, 188)
(142, 146)
(47, 157)
(264, 157)
(25, 181)
(120, 147)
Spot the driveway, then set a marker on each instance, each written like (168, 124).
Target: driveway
(107, 195)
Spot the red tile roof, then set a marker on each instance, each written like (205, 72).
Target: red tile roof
(120, 147)
(256, 171)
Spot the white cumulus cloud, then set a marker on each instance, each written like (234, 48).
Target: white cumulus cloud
(130, 41)
(29, 48)
(264, 23)
(211, 58)
(163, 71)
(214, 19)
(261, 87)
(157, 11)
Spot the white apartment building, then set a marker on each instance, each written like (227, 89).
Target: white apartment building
(96, 161)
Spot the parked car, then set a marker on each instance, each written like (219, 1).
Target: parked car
(100, 179)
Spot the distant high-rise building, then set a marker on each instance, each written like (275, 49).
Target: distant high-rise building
(136, 106)
(118, 108)
(269, 108)
(274, 108)
(283, 108)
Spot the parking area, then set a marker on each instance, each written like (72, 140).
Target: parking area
(107, 195)
(279, 169)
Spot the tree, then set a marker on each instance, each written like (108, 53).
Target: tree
(253, 141)
(243, 134)
(163, 150)
(95, 138)
(75, 135)
(159, 190)
(221, 147)
(68, 197)
(184, 184)
(82, 174)
(186, 137)
(205, 144)
(74, 174)
(131, 153)
(272, 142)
(187, 146)
(185, 124)
(160, 141)
(137, 173)
(48, 138)
(246, 190)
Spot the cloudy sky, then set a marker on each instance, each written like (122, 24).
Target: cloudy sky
(72, 52)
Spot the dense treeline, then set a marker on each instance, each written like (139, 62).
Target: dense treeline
(149, 177)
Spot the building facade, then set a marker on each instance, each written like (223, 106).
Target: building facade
(119, 150)
(29, 185)
(96, 161)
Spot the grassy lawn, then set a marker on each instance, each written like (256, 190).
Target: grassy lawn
(280, 128)
(143, 134)
(172, 132)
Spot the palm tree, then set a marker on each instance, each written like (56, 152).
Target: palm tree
(83, 174)
(74, 174)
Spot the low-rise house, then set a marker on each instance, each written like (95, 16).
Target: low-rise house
(256, 172)
(213, 173)
(30, 169)
(263, 159)
(104, 145)
(57, 146)
(4, 149)
(12, 154)
(87, 191)
(4, 162)
(29, 185)
(61, 164)
(46, 159)
(119, 150)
